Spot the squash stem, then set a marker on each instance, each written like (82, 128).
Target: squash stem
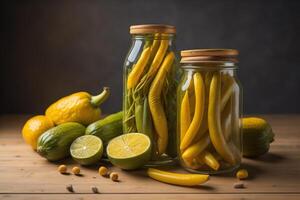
(100, 98)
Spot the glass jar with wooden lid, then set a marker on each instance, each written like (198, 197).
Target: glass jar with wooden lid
(209, 110)
(149, 94)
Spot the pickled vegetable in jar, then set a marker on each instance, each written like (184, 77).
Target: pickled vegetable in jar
(149, 95)
(209, 111)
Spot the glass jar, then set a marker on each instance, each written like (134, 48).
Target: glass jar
(209, 111)
(149, 93)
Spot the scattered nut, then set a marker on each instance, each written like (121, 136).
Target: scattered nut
(95, 189)
(70, 188)
(103, 171)
(239, 185)
(114, 176)
(76, 170)
(62, 169)
(242, 174)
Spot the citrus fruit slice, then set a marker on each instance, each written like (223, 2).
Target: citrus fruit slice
(129, 151)
(87, 149)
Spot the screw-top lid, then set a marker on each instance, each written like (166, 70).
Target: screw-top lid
(152, 28)
(209, 55)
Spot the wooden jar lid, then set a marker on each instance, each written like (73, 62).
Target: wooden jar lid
(209, 55)
(152, 28)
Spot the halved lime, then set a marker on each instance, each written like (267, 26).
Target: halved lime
(87, 149)
(129, 151)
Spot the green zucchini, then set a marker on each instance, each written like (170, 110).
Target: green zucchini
(55, 143)
(107, 128)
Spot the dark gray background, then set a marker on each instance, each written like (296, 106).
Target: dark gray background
(54, 48)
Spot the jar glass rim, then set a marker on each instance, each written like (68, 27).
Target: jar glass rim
(210, 65)
(163, 36)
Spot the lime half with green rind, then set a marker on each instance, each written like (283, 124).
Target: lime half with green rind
(129, 151)
(87, 149)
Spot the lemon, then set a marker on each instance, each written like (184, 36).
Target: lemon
(129, 151)
(87, 149)
(34, 127)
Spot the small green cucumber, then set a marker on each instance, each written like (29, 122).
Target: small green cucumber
(107, 128)
(55, 143)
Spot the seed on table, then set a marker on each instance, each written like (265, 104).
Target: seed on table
(70, 188)
(62, 169)
(239, 185)
(242, 174)
(103, 171)
(76, 170)
(114, 176)
(95, 189)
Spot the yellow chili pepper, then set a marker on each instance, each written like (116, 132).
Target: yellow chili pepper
(193, 163)
(156, 63)
(226, 90)
(214, 121)
(158, 57)
(155, 105)
(195, 149)
(176, 178)
(209, 160)
(155, 46)
(138, 68)
(199, 111)
(204, 126)
(185, 115)
(226, 120)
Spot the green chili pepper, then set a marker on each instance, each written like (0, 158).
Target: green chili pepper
(170, 108)
(129, 122)
(147, 121)
(138, 112)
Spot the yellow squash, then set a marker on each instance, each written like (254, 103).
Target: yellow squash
(35, 127)
(176, 178)
(79, 107)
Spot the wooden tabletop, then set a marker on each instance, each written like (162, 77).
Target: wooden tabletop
(26, 175)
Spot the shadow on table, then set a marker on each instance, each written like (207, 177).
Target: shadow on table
(270, 158)
(253, 168)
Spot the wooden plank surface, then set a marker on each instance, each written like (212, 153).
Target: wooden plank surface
(26, 175)
(149, 196)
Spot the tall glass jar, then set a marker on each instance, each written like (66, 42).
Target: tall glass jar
(209, 111)
(149, 93)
